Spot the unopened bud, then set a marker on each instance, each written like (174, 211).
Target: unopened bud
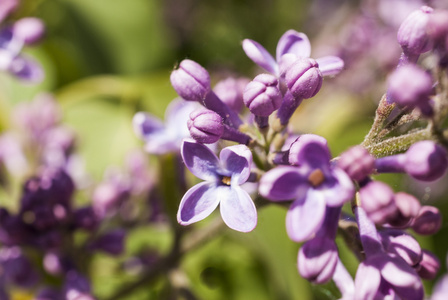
(205, 126)
(426, 161)
(303, 78)
(428, 220)
(377, 199)
(412, 34)
(262, 95)
(191, 81)
(357, 163)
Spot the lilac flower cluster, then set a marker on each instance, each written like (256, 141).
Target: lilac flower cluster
(252, 148)
(48, 218)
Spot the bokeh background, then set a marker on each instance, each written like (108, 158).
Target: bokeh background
(107, 59)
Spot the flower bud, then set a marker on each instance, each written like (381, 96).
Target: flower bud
(304, 78)
(428, 266)
(205, 126)
(317, 260)
(428, 221)
(191, 81)
(230, 91)
(262, 95)
(357, 163)
(377, 199)
(406, 247)
(29, 30)
(411, 86)
(426, 161)
(412, 34)
(408, 208)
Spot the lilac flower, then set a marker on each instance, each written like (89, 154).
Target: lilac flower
(382, 275)
(223, 178)
(312, 182)
(11, 58)
(159, 137)
(296, 45)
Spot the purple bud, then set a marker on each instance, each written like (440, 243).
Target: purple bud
(230, 91)
(426, 161)
(406, 247)
(428, 266)
(411, 86)
(408, 208)
(191, 81)
(262, 95)
(205, 126)
(304, 78)
(428, 221)
(29, 30)
(317, 260)
(412, 34)
(357, 163)
(377, 199)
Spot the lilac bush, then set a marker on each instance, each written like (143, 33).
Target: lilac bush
(236, 145)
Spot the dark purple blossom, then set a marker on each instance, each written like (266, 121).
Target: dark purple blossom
(312, 182)
(222, 179)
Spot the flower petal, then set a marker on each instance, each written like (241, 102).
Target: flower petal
(200, 160)
(145, 124)
(293, 42)
(260, 56)
(237, 209)
(403, 278)
(341, 189)
(330, 65)
(26, 68)
(198, 203)
(238, 160)
(176, 116)
(283, 183)
(367, 282)
(310, 151)
(305, 216)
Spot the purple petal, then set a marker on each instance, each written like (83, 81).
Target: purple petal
(310, 151)
(238, 160)
(305, 216)
(176, 116)
(198, 203)
(260, 56)
(293, 42)
(341, 191)
(330, 65)
(145, 124)
(283, 183)
(403, 278)
(237, 209)
(367, 282)
(200, 160)
(27, 69)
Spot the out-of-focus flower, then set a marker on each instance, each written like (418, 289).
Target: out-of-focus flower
(223, 178)
(230, 91)
(312, 182)
(159, 137)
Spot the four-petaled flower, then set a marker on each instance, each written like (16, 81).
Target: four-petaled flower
(295, 45)
(312, 181)
(223, 178)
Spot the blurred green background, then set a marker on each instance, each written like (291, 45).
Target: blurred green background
(107, 59)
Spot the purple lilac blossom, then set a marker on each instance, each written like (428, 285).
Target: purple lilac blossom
(428, 221)
(205, 126)
(311, 182)
(411, 86)
(377, 200)
(382, 275)
(429, 265)
(13, 61)
(408, 207)
(425, 161)
(230, 91)
(357, 162)
(294, 43)
(262, 95)
(159, 137)
(191, 81)
(223, 178)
